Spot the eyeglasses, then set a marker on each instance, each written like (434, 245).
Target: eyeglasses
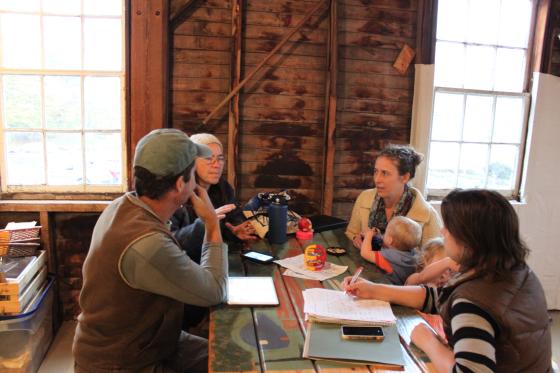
(215, 158)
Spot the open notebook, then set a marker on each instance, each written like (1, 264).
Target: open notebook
(335, 306)
(252, 291)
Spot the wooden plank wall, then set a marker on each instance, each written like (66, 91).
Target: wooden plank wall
(282, 110)
(374, 100)
(200, 71)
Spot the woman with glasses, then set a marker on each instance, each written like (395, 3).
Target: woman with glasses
(186, 226)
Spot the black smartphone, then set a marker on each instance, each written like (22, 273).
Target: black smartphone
(362, 332)
(257, 257)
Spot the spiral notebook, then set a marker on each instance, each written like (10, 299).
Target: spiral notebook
(251, 291)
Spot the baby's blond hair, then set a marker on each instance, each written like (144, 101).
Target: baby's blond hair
(405, 232)
(429, 251)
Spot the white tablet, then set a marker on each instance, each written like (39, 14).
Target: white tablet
(252, 291)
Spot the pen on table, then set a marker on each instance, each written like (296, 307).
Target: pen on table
(356, 275)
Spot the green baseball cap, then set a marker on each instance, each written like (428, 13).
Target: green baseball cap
(166, 152)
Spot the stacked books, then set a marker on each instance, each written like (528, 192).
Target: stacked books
(327, 310)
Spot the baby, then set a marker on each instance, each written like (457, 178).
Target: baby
(434, 266)
(397, 257)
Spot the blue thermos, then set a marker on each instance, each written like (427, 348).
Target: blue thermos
(277, 221)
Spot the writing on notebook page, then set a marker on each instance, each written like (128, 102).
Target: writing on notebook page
(337, 307)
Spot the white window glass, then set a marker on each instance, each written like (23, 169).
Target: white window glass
(66, 7)
(482, 21)
(502, 166)
(64, 56)
(478, 118)
(24, 151)
(103, 44)
(102, 103)
(62, 102)
(471, 174)
(103, 158)
(510, 70)
(442, 168)
(509, 120)
(479, 71)
(514, 23)
(450, 64)
(22, 101)
(451, 20)
(65, 163)
(103, 7)
(20, 30)
(448, 119)
(20, 5)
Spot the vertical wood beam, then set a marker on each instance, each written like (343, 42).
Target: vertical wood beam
(426, 31)
(148, 67)
(542, 39)
(46, 240)
(330, 112)
(235, 78)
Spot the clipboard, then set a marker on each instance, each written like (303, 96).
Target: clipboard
(251, 291)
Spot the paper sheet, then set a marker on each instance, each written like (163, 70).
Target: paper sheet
(296, 264)
(289, 272)
(337, 307)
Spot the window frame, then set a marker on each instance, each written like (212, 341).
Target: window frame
(423, 118)
(84, 190)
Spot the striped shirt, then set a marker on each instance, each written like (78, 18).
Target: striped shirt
(473, 333)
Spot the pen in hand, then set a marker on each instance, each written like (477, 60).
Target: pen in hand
(356, 275)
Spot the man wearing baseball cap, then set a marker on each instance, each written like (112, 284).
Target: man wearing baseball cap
(136, 277)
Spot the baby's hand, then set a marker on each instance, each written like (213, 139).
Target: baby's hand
(370, 233)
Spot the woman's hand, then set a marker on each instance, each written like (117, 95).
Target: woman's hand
(244, 231)
(422, 335)
(439, 353)
(225, 209)
(361, 288)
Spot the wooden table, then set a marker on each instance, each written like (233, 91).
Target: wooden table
(266, 339)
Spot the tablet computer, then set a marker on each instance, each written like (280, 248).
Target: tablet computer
(252, 291)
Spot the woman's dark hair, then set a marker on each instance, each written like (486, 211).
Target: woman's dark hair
(405, 157)
(486, 224)
(153, 186)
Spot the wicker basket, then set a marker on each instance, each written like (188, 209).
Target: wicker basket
(19, 242)
(19, 249)
(19, 234)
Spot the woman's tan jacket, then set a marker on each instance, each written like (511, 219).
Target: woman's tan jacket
(421, 212)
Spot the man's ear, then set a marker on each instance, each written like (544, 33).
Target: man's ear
(180, 183)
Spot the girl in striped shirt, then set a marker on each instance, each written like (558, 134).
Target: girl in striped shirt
(494, 310)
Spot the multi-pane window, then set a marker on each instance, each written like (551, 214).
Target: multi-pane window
(480, 103)
(62, 95)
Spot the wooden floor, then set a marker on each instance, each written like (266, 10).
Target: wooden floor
(59, 358)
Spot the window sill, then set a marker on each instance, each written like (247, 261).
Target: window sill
(53, 205)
